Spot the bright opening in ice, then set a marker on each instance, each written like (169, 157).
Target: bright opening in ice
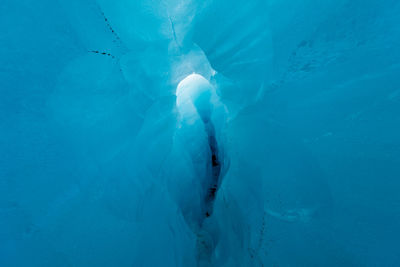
(194, 94)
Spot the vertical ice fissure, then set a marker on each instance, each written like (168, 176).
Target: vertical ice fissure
(215, 169)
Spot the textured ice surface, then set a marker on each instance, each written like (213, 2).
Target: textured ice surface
(199, 133)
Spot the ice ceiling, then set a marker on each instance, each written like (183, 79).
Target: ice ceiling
(199, 133)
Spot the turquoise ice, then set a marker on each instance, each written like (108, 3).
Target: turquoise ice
(199, 133)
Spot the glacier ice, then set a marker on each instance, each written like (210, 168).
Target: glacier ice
(199, 133)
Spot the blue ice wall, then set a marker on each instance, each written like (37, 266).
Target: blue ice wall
(199, 133)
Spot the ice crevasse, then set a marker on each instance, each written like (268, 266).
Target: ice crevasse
(199, 133)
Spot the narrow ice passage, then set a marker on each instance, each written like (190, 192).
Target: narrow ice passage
(195, 97)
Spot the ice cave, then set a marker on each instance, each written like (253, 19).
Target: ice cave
(199, 133)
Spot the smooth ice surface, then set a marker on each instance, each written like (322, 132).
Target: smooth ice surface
(199, 133)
